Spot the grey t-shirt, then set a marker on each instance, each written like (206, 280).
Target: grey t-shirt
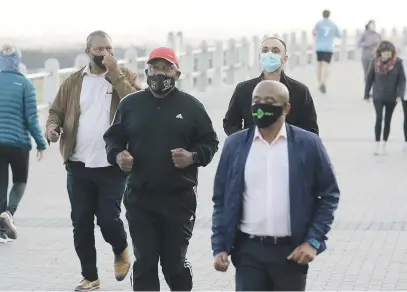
(369, 40)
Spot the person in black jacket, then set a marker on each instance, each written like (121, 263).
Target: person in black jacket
(272, 58)
(386, 75)
(161, 136)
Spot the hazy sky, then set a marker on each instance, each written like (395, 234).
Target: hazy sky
(152, 19)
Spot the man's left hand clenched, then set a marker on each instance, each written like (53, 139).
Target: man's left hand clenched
(110, 62)
(181, 158)
(303, 254)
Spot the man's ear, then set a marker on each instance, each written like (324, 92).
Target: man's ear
(287, 108)
(177, 76)
(87, 52)
(285, 59)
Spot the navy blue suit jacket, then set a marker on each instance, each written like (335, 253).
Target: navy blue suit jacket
(314, 192)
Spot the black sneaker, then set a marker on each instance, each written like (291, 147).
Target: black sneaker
(322, 88)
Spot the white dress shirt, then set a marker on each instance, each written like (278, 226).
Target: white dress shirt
(94, 120)
(266, 198)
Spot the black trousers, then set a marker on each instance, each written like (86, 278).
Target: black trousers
(404, 103)
(388, 113)
(18, 159)
(161, 227)
(264, 267)
(95, 192)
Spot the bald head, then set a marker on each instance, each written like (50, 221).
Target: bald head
(271, 92)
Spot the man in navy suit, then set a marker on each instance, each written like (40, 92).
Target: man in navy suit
(275, 194)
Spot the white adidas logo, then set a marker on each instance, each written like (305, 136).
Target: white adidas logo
(179, 116)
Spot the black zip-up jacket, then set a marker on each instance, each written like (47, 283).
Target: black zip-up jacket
(149, 128)
(302, 113)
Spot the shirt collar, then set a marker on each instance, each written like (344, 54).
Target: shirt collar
(282, 134)
(86, 71)
(283, 79)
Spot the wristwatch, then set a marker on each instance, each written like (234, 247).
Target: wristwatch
(195, 157)
(314, 243)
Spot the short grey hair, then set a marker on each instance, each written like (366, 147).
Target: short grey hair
(97, 33)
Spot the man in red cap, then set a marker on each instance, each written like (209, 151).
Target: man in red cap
(161, 136)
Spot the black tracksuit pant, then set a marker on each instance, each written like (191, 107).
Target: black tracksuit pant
(161, 227)
(95, 192)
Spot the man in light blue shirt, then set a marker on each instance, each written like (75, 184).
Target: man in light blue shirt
(325, 32)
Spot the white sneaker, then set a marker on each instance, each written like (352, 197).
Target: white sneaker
(377, 151)
(8, 222)
(384, 149)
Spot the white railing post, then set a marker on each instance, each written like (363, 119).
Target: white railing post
(383, 33)
(171, 40)
(203, 67)
(51, 81)
(404, 37)
(304, 49)
(179, 43)
(344, 47)
(130, 56)
(217, 65)
(231, 61)
(291, 53)
(358, 51)
(244, 70)
(394, 39)
(286, 39)
(187, 69)
(256, 67)
(81, 61)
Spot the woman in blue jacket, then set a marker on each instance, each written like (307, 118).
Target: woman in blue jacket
(18, 119)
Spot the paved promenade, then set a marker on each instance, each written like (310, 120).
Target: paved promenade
(366, 249)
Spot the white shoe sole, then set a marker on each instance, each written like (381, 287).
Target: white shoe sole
(5, 240)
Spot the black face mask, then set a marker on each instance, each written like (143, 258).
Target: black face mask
(160, 84)
(264, 115)
(98, 61)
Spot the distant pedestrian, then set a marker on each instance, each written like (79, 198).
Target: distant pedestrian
(273, 56)
(386, 75)
(18, 120)
(325, 32)
(368, 41)
(161, 136)
(81, 112)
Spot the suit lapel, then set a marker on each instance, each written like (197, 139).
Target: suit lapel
(241, 157)
(295, 159)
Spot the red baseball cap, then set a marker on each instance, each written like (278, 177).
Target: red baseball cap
(165, 53)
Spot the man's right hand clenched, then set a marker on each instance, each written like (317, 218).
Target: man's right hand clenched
(221, 261)
(125, 161)
(52, 134)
